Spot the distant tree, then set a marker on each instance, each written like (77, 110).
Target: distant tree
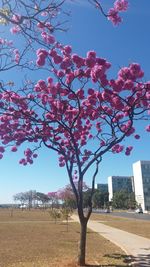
(42, 198)
(132, 204)
(26, 198)
(66, 213)
(20, 197)
(123, 200)
(67, 197)
(100, 199)
(30, 197)
(53, 199)
(87, 197)
(55, 214)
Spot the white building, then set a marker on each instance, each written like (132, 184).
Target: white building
(118, 183)
(141, 172)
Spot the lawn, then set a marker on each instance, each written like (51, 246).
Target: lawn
(33, 239)
(135, 226)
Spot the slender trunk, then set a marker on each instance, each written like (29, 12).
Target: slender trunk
(82, 246)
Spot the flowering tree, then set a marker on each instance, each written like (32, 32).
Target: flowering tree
(67, 196)
(78, 111)
(53, 198)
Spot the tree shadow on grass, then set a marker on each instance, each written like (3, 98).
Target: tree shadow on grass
(126, 259)
(141, 260)
(112, 265)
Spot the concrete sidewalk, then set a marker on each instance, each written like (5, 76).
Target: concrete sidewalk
(135, 246)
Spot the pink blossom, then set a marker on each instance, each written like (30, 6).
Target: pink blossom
(90, 91)
(57, 59)
(128, 84)
(136, 136)
(2, 41)
(15, 29)
(16, 17)
(42, 52)
(66, 63)
(41, 25)
(79, 61)
(91, 54)
(40, 61)
(2, 149)
(44, 13)
(128, 150)
(49, 39)
(114, 17)
(67, 49)
(14, 149)
(121, 5)
(90, 62)
(60, 73)
(148, 128)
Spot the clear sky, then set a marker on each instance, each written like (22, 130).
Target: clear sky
(89, 30)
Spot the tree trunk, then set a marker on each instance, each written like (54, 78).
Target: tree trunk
(82, 245)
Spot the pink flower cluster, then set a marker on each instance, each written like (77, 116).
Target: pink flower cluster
(113, 14)
(29, 155)
(128, 150)
(5, 43)
(42, 25)
(15, 29)
(2, 150)
(17, 55)
(16, 18)
(41, 57)
(117, 148)
(148, 128)
(48, 39)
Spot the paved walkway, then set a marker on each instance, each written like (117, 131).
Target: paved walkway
(136, 246)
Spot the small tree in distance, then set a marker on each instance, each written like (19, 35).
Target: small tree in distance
(26, 198)
(67, 197)
(100, 199)
(78, 111)
(42, 198)
(53, 199)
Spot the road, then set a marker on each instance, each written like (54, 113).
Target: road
(129, 214)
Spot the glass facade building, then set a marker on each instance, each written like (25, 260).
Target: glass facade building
(102, 187)
(119, 183)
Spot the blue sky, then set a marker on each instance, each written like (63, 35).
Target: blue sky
(120, 45)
